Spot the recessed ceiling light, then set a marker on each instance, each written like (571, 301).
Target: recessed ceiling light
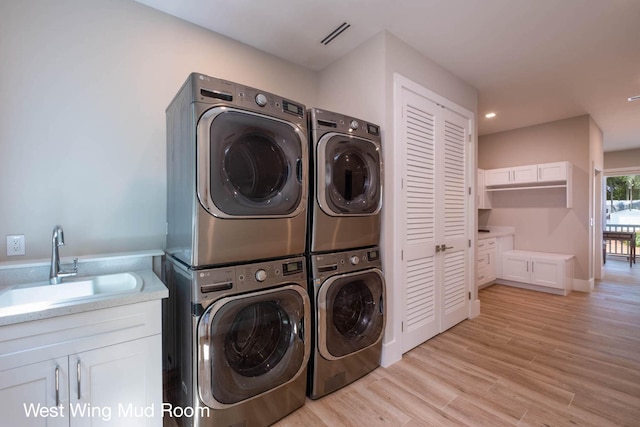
(490, 115)
(633, 98)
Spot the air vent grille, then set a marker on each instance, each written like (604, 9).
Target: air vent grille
(335, 33)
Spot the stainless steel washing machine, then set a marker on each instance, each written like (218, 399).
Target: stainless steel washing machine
(348, 297)
(346, 158)
(236, 170)
(237, 342)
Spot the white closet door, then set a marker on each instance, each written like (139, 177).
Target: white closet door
(419, 158)
(434, 149)
(452, 215)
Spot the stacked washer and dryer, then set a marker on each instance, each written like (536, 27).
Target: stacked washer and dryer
(273, 293)
(237, 322)
(346, 284)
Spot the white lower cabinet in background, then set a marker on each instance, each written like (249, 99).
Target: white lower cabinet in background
(486, 261)
(540, 269)
(116, 380)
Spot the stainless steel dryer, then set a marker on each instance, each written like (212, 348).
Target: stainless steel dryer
(236, 174)
(237, 342)
(346, 158)
(347, 290)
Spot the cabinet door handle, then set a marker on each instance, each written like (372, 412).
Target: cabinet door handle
(532, 266)
(78, 370)
(527, 266)
(57, 381)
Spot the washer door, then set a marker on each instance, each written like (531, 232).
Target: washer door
(350, 313)
(250, 165)
(349, 175)
(249, 344)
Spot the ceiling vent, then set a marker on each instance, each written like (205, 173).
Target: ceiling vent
(335, 33)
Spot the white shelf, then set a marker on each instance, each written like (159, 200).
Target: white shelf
(530, 187)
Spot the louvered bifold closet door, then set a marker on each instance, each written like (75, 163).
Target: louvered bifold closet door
(421, 319)
(452, 219)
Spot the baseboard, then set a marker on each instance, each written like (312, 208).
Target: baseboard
(474, 309)
(391, 353)
(582, 285)
(530, 287)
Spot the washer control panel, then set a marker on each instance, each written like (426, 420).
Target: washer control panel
(211, 284)
(322, 121)
(325, 265)
(214, 91)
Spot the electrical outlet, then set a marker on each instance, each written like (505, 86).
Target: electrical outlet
(15, 245)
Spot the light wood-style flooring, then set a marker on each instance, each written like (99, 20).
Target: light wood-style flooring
(529, 359)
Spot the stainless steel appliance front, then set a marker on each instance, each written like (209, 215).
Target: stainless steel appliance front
(237, 341)
(236, 174)
(348, 298)
(346, 182)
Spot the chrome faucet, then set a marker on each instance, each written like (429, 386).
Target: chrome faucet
(55, 274)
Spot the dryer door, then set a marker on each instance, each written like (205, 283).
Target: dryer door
(348, 175)
(250, 165)
(350, 313)
(252, 343)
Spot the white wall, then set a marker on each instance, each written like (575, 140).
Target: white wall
(83, 89)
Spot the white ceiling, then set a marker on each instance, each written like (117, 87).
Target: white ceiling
(532, 61)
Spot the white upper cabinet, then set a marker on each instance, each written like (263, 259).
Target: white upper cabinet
(524, 174)
(497, 177)
(528, 174)
(549, 172)
(483, 200)
(543, 175)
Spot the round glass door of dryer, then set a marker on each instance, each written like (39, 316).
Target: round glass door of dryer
(251, 165)
(351, 313)
(251, 343)
(350, 181)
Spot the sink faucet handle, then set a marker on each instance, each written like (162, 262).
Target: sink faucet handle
(75, 264)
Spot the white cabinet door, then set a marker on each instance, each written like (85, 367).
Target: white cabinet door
(481, 268)
(486, 260)
(29, 397)
(500, 176)
(547, 272)
(490, 269)
(524, 174)
(515, 267)
(552, 172)
(483, 200)
(119, 385)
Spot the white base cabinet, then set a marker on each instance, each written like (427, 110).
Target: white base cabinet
(543, 271)
(486, 261)
(100, 368)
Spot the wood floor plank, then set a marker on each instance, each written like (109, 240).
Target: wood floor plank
(529, 359)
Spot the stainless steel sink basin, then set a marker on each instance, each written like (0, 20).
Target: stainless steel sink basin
(42, 295)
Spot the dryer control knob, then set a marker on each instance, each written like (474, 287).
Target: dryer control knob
(261, 100)
(261, 275)
(354, 124)
(354, 260)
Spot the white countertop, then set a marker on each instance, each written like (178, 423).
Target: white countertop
(152, 289)
(495, 231)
